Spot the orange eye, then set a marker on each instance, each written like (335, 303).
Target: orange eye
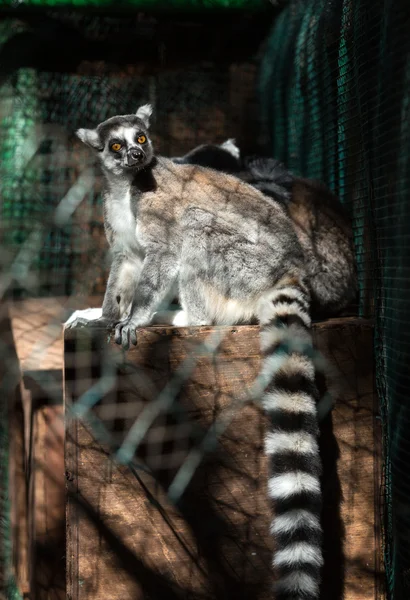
(116, 147)
(142, 139)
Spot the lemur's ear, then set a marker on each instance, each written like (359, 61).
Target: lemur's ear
(144, 112)
(231, 147)
(90, 137)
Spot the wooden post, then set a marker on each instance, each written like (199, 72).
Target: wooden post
(37, 482)
(13, 551)
(45, 471)
(125, 539)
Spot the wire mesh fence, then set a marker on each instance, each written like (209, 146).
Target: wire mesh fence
(325, 91)
(340, 115)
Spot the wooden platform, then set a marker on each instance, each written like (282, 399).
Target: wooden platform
(126, 540)
(37, 482)
(38, 331)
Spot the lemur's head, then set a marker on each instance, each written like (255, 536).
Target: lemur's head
(122, 143)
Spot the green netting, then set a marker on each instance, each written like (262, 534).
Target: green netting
(143, 4)
(335, 94)
(335, 105)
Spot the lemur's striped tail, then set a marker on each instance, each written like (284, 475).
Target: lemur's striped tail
(290, 399)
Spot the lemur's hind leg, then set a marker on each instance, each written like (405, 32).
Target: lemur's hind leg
(176, 318)
(193, 304)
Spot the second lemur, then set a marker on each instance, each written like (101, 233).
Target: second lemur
(319, 219)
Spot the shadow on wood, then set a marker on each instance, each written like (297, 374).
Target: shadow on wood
(124, 536)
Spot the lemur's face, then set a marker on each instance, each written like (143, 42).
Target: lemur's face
(122, 143)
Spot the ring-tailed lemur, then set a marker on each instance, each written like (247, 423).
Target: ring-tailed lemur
(319, 219)
(230, 255)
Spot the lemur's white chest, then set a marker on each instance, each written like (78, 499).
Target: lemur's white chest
(124, 224)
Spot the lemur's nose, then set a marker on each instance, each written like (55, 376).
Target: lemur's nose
(134, 156)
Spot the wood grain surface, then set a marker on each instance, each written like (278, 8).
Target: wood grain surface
(126, 539)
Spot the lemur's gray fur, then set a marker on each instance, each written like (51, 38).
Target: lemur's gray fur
(319, 219)
(230, 255)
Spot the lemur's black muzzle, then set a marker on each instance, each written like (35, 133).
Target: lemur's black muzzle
(134, 157)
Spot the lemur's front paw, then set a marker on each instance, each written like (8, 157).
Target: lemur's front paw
(125, 332)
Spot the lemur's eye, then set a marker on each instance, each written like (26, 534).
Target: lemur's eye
(141, 139)
(116, 147)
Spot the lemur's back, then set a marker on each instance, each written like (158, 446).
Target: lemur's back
(179, 188)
